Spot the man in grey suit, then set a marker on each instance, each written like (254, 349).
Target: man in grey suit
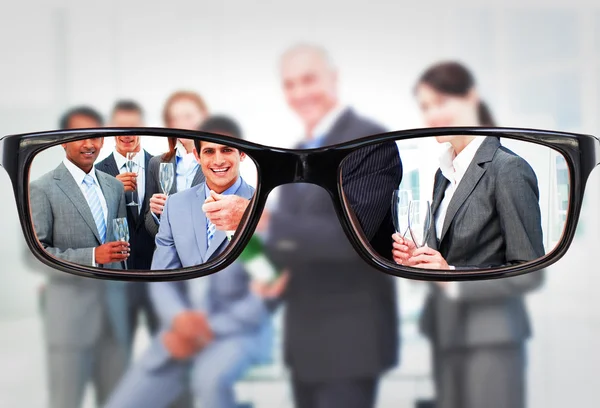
(85, 319)
(212, 328)
(490, 218)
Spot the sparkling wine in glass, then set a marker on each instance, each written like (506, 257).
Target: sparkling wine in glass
(166, 177)
(419, 221)
(121, 233)
(132, 168)
(400, 202)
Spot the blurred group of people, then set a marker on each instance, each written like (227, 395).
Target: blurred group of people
(341, 322)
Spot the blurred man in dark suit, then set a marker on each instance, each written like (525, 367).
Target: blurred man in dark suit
(128, 113)
(341, 321)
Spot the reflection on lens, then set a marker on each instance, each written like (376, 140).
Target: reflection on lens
(493, 202)
(97, 205)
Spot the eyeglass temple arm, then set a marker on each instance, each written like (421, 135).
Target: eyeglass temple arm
(596, 145)
(2, 152)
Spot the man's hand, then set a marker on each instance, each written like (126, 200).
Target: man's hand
(115, 251)
(129, 181)
(193, 326)
(157, 203)
(427, 258)
(271, 290)
(225, 211)
(402, 250)
(180, 347)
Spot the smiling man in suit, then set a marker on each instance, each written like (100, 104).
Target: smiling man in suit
(128, 113)
(85, 319)
(341, 322)
(212, 328)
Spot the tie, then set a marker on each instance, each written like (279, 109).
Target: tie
(210, 232)
(95, 207)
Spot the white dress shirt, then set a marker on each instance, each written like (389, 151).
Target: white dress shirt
(453, 168)
(186, 168)
(78, 176)
(140, 167)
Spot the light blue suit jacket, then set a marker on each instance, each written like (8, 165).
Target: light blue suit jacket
(233, 310)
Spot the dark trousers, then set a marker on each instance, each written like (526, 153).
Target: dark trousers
(491, 377)
(348, 393)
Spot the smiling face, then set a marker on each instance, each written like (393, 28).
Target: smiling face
(309, 84)
(83, 153)
(127, 118)
(220, 165)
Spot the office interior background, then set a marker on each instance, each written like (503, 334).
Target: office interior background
(536, 66)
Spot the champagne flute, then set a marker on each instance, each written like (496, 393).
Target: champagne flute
(132, 168)
(121, 233)
(166, 174)
(400, 202)
(419, 221)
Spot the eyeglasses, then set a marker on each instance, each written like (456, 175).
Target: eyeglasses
(505, 205)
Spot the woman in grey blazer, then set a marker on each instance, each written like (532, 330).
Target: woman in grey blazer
(485, 213)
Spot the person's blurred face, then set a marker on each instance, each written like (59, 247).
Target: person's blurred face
(127, 118)
(185, 114)
(309, 85)
(82, 122)
(442, 110)
(220, 165)
(83, 153)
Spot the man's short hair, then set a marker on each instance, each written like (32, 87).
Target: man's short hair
(128, 105)
(221, 125)
(86, 111)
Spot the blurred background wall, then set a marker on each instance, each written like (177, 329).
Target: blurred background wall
(537, 65)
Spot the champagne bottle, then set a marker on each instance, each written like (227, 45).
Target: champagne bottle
(258, 266)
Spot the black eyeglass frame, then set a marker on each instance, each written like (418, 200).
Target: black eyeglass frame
(320, 166)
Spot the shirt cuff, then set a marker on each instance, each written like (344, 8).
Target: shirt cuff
(94, 264)
(453, 290)
(156, 219)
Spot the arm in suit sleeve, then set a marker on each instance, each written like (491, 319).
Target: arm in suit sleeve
(43, 222)
(517, 203)
(167, 300)
(369, 177)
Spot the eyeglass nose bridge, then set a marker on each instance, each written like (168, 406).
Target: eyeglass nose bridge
(318, 167)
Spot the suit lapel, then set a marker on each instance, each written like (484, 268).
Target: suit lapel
(67, 184)
(198, 177)
(439, 188)
(174, 186)
(199, 222)
(474, 172)
(147, 157)
(111, 165)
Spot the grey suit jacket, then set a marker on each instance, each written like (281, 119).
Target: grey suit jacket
(233, 310)
(153, 187)
(76, 306)
(493, 219)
